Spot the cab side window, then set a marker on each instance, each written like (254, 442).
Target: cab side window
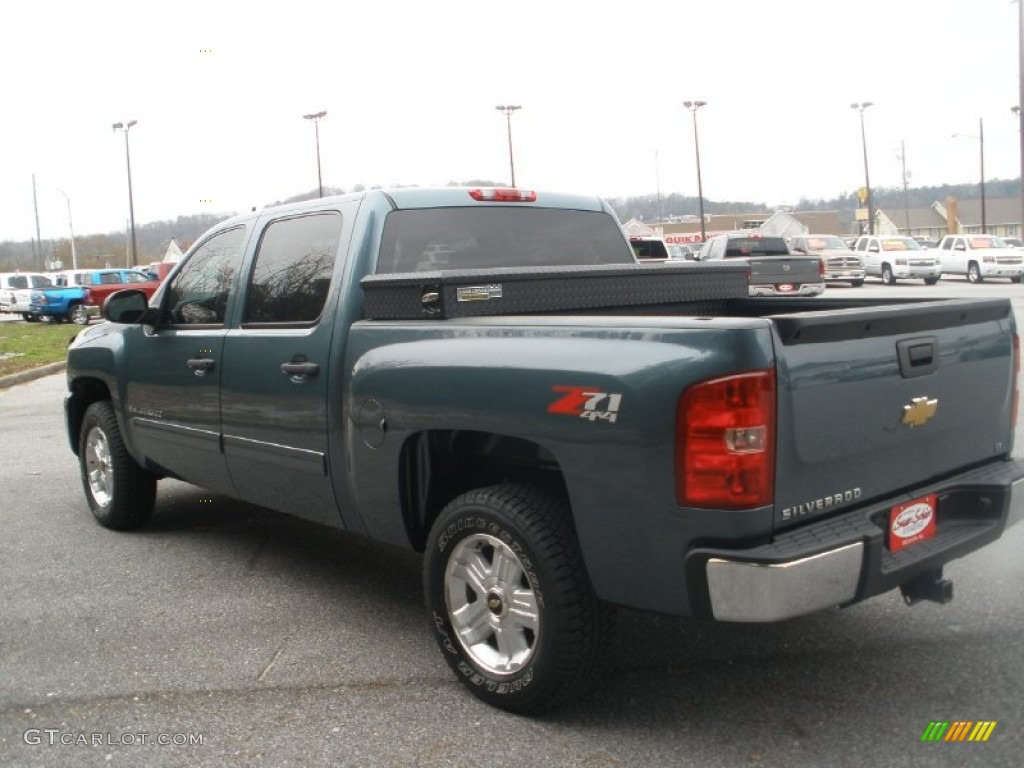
(292, 272)
(199, 293)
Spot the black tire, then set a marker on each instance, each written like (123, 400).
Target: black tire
(931, 280)
(551, 634)
(887, 276)
(120, 493)
(856, 283)
(974, 273)
(78, 314)
(28, 317)
(1016, 279)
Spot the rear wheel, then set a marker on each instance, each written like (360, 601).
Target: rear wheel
(856, 283)
(79, 314)
(1015, 279)
(512, 608)
(974, 273)
(887, 276)
(120, 493)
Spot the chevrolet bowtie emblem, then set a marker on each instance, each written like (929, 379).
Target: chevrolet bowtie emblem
(919, 411)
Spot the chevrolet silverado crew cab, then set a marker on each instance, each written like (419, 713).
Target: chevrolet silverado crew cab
(487, 377)
(774, 269)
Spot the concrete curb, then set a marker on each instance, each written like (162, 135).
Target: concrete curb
(31, 375)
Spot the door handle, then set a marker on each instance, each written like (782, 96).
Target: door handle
(200, 365)
(300, 369)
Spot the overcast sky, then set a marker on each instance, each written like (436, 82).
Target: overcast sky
(409, 86)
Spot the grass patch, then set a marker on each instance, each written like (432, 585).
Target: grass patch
(29, 345)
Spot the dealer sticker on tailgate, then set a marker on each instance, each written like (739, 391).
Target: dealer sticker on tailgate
(911, 522)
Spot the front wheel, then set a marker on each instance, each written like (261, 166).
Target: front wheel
(887, 276)
(931, 280)
(974, 273)
(1016, 279)
(120, 493)
(512, 608)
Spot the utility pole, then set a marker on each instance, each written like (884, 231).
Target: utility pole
(37, 252)
(906, 193)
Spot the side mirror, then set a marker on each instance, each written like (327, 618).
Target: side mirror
(128, 307)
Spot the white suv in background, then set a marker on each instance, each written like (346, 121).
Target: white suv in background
(895, 257)
(16, 292)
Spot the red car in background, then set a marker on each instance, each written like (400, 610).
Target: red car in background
(100, 283)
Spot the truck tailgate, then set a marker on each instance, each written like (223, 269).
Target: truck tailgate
(875, 402)
(782, 269)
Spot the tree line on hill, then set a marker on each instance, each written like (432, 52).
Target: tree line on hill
(152, 239)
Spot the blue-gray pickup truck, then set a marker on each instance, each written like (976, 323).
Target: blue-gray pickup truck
(725, 457)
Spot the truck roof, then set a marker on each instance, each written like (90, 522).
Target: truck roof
(443, 197)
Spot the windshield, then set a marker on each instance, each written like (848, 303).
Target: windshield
(827, 242)
(900, 244)
(474, 238)
(988, 241)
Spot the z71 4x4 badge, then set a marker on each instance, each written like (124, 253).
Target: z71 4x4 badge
(586, 403)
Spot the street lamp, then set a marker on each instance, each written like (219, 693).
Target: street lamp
(693, 106)
(981, 150)
(124, 128)
(1020, 129)
(315, 117)
(507, 110)
(74, 255)
(860, 107)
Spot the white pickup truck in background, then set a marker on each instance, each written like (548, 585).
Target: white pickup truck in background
(978, 257)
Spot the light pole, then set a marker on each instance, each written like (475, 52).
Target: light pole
(1020, 128)
(124, 128)
(507, 110)
(860, 106)
(693, 106)
(315, 117)
(71, 227)
(981, 151)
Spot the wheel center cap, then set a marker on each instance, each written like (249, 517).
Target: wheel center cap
(495, 604)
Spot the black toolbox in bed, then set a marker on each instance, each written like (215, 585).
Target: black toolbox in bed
(530, 290)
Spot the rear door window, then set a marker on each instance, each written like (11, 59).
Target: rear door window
(293, 268)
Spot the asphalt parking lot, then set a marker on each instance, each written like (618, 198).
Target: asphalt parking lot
(243, 637)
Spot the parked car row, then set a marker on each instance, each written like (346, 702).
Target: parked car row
(887, 257)
(68, 296)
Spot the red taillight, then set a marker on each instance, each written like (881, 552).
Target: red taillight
(821, 268)
(503, 195)
(725, 442)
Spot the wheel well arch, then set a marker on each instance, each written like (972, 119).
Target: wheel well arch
(437, 465)
(84, 392)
